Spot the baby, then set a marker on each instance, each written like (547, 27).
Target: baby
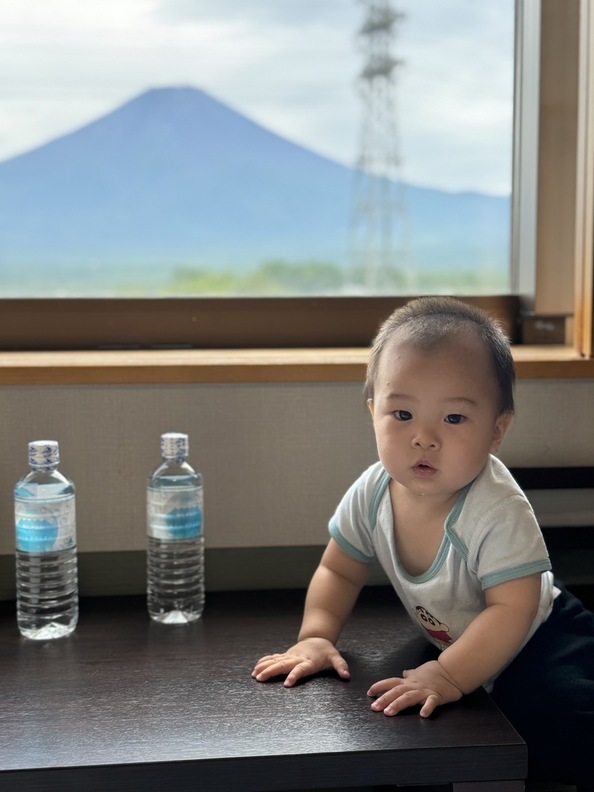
(459, 542)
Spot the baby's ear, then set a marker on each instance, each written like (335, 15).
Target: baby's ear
(502, 424)
(370, 405)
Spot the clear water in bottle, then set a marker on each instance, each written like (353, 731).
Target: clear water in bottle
(46, 560)
(175, 557)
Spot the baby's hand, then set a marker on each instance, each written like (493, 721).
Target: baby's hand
(428, 685)
(304, 659)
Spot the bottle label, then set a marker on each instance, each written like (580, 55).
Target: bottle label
(174, 513)
(45, 526)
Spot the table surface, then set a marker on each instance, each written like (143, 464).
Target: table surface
(125, 703)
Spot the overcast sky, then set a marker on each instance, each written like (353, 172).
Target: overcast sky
(290, 65)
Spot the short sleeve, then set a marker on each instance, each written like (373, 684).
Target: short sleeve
(350, 525)
(511, 546)
(498, 531)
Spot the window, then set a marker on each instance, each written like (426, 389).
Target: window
(553, 171)
(181, 148)
(132, 318)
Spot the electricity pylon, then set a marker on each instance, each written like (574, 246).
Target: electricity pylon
(379, 216)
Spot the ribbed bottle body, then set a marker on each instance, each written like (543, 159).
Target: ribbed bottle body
(47, 593)
(175, 551)
(175, 580)
(46, 556)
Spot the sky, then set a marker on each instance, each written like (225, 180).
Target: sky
(290, 65)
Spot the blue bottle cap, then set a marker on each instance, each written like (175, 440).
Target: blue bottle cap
(44, 454)
(174, 445)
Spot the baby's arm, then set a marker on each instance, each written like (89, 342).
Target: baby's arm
(487, 645)
(332, 593)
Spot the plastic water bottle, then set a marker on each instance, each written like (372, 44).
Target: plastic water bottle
(46, 563)
(175, 560)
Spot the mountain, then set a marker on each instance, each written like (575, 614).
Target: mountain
(174, 177)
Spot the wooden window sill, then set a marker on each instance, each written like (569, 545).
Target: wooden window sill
(159, 367)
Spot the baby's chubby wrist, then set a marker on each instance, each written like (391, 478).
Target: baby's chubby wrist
(312, 638)
(453, 681)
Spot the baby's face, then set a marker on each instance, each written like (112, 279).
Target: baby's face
(436, 414)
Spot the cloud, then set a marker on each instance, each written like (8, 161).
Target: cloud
(291, 65)
(262, 13)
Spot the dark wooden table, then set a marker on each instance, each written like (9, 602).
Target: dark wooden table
(125, 704)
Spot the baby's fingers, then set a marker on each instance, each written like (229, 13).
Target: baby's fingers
(397, 700)
(274, 665)
(309, 666)
(340, 665)
(302, 669)
(429, 706)
(265, 661)
(378, 688)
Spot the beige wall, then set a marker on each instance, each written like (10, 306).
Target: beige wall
(276, 457)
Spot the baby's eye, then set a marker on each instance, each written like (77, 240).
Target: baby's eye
(455, 418)
(402, 415)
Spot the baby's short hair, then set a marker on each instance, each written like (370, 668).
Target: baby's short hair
(430, 320)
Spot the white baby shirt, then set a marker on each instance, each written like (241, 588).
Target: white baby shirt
(491, 536)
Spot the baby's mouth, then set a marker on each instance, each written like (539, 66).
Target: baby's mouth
(424, 469)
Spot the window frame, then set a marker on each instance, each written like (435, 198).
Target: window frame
(243, 323)
(207, 323)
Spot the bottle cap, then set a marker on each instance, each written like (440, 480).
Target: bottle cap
(174, 445)
(44, 454)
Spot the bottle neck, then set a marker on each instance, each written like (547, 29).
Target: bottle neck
(178, 460)
(172, 467)
(44, 475)
(44, 468)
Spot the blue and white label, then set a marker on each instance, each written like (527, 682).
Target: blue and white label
(45, 526)
(174, 513)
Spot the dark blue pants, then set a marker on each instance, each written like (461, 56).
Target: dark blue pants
(547, 693)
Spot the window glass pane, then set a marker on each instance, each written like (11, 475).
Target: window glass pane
(210, 147)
